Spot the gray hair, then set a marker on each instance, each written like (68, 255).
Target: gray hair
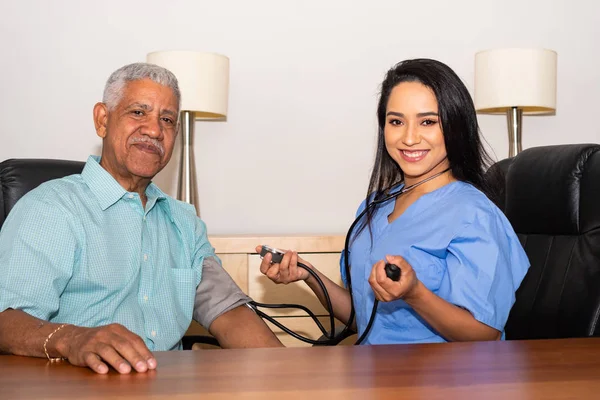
(115, 84)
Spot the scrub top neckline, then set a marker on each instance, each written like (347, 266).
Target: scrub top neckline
(388, 208)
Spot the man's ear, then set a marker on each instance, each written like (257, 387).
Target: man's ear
(100, 119)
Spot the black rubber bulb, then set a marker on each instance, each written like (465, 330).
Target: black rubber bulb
(392, 271)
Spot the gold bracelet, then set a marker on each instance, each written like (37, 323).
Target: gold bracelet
(53, 359)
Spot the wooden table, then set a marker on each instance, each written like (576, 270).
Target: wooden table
(548, 369)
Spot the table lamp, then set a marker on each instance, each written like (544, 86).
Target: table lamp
(515, 82)
(204, 84)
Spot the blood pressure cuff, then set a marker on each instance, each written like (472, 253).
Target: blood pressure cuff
(216, 294)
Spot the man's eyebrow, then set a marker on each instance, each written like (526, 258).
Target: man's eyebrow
(423, 114)
(140, 105)
(148, 107)
(170, 112)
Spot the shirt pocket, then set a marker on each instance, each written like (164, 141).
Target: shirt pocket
(431, 275)
(184, 286)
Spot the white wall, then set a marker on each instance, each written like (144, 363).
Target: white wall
(296, 151)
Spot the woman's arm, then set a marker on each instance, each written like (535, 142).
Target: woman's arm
(451, 322)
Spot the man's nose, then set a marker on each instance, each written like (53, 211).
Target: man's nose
(152, 128)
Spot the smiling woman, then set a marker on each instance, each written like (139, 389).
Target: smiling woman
(413, 134)
(460, 260)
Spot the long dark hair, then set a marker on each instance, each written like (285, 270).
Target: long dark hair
(466, 155)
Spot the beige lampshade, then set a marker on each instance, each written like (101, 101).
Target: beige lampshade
(523, 78)
(203, 80)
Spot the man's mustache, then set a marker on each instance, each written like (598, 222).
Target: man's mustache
(147, 140)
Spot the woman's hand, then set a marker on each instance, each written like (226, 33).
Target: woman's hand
(386, 289)
(285, 272)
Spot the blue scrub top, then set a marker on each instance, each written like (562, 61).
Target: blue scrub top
(461, 247)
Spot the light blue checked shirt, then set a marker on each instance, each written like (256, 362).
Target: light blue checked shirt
(82, 250)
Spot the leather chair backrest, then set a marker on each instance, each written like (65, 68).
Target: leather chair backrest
(551, 196)
(19, 176)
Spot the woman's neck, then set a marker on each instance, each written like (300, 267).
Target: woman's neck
(439, 176)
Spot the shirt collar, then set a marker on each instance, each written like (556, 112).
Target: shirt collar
(108, 191)
(155, 195)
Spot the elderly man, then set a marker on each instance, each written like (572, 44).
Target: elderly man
(102, 268)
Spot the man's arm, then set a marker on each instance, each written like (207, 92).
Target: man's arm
(220, 304)
(24, 335)
(242, 328)
(37, 253)
(220, 307)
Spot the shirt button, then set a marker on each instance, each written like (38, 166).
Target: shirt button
(146, 298)
(153, 333)
(130, 196)
(145, 257)
(144, 217)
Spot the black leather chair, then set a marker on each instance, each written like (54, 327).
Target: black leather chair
(19, 176)
(551, 195)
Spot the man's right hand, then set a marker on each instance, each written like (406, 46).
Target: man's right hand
(285, 272)
(100, 347)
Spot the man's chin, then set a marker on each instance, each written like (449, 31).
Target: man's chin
(145, 171)
(146, 166)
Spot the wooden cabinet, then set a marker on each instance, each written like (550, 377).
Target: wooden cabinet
(240, 260)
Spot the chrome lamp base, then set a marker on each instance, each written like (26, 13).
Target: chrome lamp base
(187, 189)
(514, 116)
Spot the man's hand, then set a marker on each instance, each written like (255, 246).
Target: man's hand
(97, 348)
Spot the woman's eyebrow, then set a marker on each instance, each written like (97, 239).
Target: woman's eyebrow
(423, 114)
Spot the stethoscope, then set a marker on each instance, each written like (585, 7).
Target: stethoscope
(330, 337)
(384, 197)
